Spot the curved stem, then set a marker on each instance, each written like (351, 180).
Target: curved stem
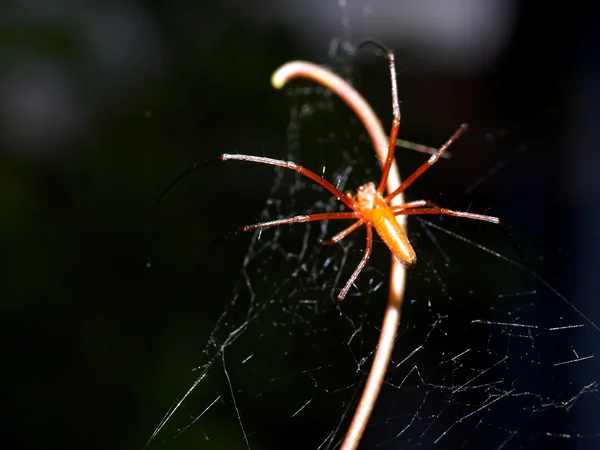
(336, 84)
(391, 319)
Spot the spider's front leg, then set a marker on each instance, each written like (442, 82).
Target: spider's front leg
(300, 219)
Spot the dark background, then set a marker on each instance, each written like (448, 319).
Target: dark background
(103, 105)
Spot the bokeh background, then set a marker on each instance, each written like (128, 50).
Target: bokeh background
(102, 104)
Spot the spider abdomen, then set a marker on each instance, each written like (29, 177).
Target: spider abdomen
(393, 236)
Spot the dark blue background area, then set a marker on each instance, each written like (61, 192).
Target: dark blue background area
(99, 114)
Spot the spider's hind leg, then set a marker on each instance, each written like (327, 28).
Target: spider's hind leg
(361, 265)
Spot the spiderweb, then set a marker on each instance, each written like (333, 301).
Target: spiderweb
(488, 355)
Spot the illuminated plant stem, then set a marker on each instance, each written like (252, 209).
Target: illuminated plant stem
(300, 69)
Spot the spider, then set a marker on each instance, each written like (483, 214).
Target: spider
(369, 206)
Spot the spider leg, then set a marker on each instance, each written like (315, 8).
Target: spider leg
(348, 201)
(341, 235)
(444, 211)
(361, 264)
(300, 219)
(420, 148)
(412, 205)
(430, 162)
(395, 124)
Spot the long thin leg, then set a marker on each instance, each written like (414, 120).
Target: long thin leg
(349, 202)
(414, 204)
(429, 204)
(447, 212)
(341, 235)
(430, 162)
(361, 264)
(300, 219)
(395, 124)
(421, 148)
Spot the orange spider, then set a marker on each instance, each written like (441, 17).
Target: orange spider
(369, 206)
